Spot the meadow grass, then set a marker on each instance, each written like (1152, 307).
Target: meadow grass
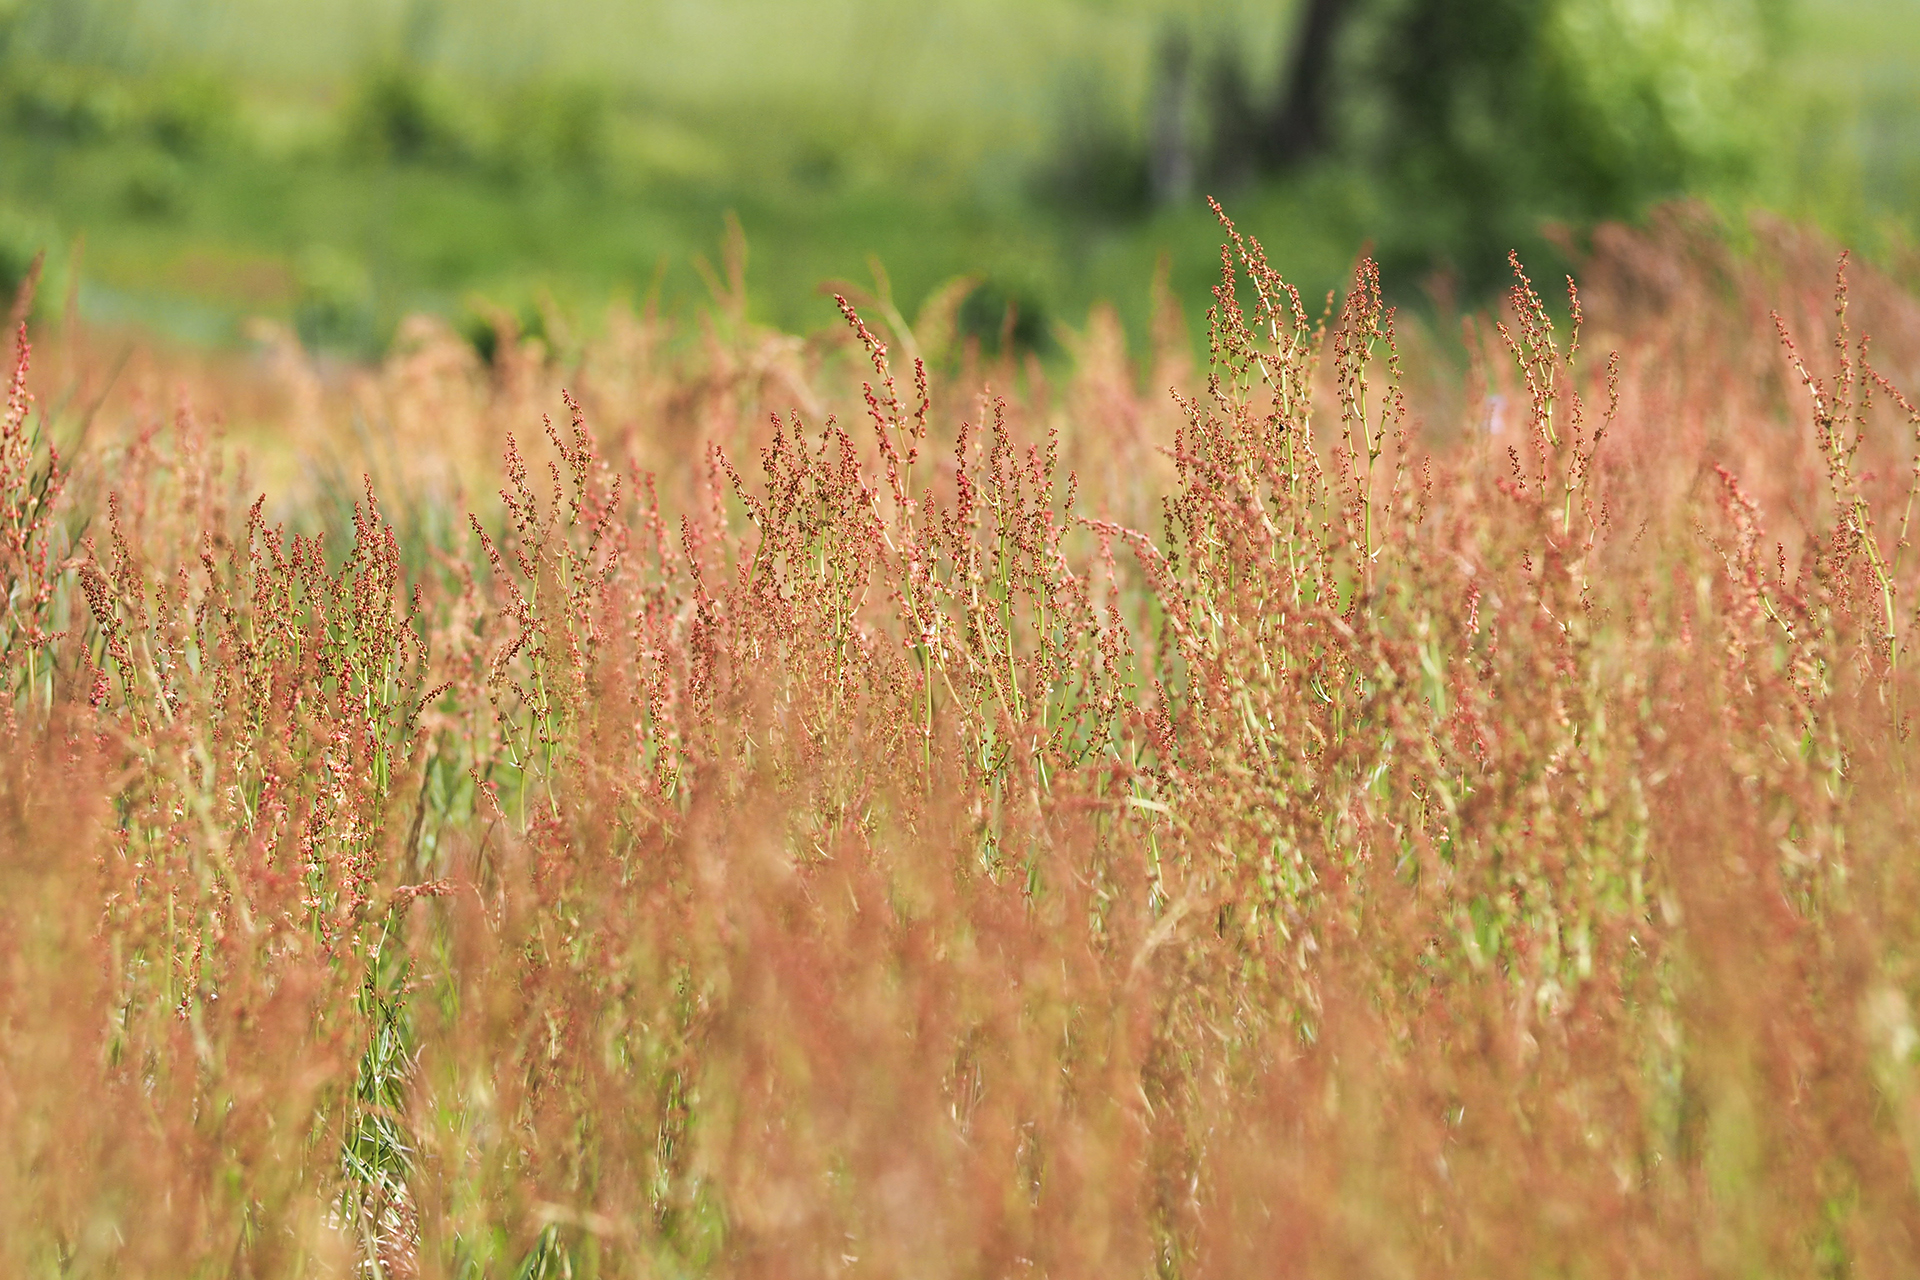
(870, 808)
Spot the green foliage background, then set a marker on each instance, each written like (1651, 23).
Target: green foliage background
(1487, 115)
(337, 163)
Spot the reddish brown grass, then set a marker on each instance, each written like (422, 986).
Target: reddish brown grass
(1367, 837)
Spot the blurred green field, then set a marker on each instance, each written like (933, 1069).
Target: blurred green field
(207, 162)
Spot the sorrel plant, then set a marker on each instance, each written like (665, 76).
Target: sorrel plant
(1439, 835)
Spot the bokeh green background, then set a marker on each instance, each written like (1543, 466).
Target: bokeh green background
(336, 164)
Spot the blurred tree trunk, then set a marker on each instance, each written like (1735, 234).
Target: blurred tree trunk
(1302, 125)
(1170, 160)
